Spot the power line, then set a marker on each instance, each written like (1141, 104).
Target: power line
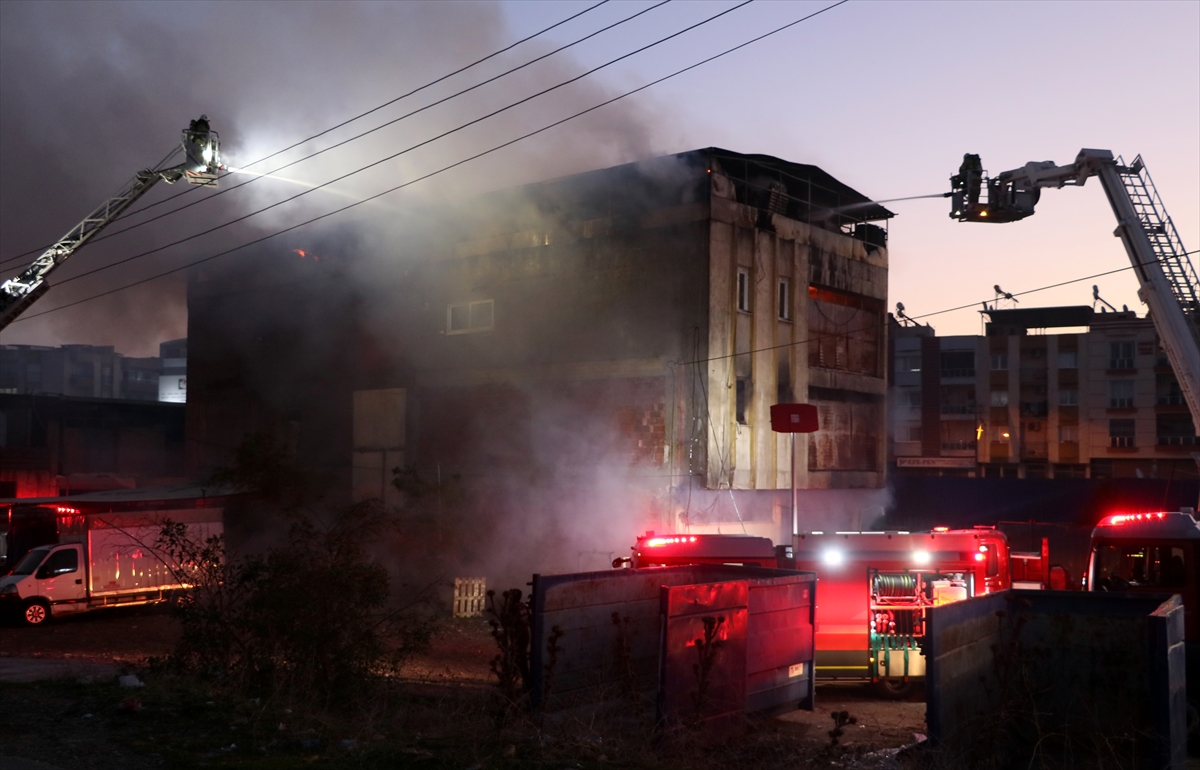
(368, 112)
(414, 147)
(444, 168)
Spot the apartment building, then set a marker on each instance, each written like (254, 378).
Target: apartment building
(1055, 392)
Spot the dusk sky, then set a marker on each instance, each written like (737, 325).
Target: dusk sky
(885, 96)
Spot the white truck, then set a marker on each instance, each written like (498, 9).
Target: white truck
(93, 559)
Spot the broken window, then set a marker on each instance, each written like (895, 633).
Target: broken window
(467, 317)
(743, 290)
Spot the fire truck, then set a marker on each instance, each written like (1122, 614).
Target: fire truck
(1155, 553)
(874, 588)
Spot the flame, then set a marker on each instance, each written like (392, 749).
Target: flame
(304, 254)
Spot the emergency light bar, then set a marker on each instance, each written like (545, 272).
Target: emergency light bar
(1118, 519)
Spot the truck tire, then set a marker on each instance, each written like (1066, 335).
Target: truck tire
(36, 612)
(895, 689)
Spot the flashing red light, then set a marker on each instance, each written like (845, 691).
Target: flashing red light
(979, 557)
(658, 542)
(941, 529)
(66, 509)
(1118, 519)
(983, 549)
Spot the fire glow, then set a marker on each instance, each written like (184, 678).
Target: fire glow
(304, 254)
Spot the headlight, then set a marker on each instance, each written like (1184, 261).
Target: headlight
(8, 590)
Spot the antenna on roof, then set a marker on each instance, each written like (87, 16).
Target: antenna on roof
(904, 320)
(1097, 298)
(1002, 294)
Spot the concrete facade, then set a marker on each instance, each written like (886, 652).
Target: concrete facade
(634, 323)
(85, 371)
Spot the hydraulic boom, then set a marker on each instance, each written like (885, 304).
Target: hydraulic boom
(202, 148)
(1167, 278)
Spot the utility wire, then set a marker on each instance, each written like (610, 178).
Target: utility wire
(348, 121)
(442, 135)
(384, 125)
(444, 168)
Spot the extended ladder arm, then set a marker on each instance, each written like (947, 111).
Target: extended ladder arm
(201, 147)
(18, 293)
(1167, 278)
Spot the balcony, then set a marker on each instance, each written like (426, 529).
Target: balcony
(1179, 440)
(968, 409)
(958, 372)
(1034, 408)
(1035, 449)
(960, 447)
(1120, 442)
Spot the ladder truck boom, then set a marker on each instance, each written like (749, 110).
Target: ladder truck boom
(1167, 278)
(202, 148)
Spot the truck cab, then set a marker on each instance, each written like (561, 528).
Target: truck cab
(1149, 553)
(48, 579)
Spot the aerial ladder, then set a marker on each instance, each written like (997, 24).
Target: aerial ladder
(1167, 277)
(202, 148)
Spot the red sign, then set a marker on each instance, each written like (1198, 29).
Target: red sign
(794, 418)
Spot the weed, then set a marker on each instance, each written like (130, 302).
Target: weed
(707, 649)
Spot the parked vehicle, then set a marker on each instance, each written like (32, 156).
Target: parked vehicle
(66, 561)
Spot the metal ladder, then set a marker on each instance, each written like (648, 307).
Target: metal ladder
(1164, 239)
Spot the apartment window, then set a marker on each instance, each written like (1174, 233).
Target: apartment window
(958, 363)
(468, 317)
(1068, 397)
(1120, 355)
(912, 433)
(1120, 433)
(742, 397)
(785, 299)
(1120, 394)
(908, 363)
(1068, 434)
(743, 290)
(910, 398)
(1068, 359)
(999, 398)
(999, 362)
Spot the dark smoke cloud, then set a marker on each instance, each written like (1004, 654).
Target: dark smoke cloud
(91, 92)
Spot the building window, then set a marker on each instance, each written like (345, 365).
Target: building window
(908, 363)
(743, 290)
(1120, 355)
(1068, 359)
(1068, 434)
(785, 299)
(1175, 430)
(958, 363)
(1068, 397)
(742, 397)
(468, 317)
(1120, 433)
(1001, 434)
(1000, 362)
(912, 433)
(910, 398)
(999, 398)
(1120, 394)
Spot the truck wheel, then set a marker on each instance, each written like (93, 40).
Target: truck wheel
(895, 689)
(36, 612)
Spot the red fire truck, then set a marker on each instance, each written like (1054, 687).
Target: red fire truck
(873, 589)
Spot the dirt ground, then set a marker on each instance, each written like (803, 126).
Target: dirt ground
(453, 676)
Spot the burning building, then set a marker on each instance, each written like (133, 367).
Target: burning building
(617, 337)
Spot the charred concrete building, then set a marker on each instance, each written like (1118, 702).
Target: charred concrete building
(616, 336)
